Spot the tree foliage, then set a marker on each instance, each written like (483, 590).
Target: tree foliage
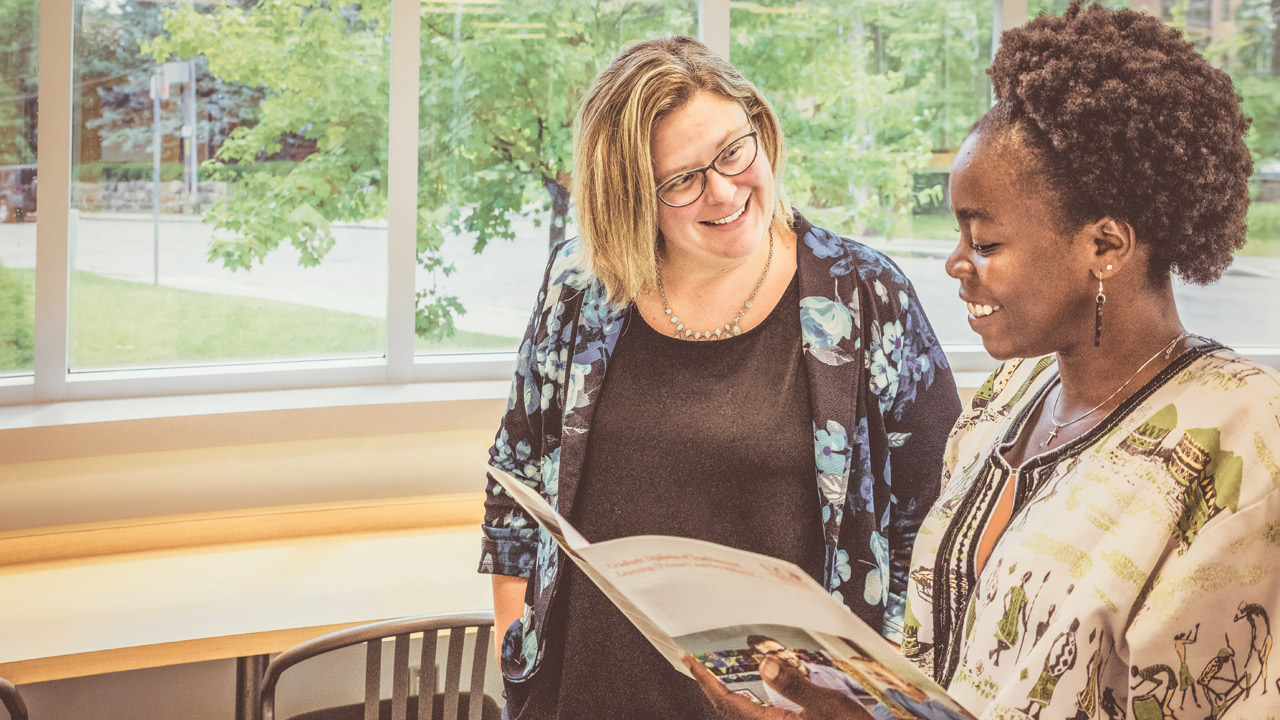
(496, 109)
(115, 79)
(498, 95)
(19, 30)
(869, 92)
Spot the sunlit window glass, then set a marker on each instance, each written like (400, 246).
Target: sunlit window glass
(875, 98)
(1245, 41)
(19, 31)
(228, 181)
(500, 83)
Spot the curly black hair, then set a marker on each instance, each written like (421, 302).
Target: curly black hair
(1125, 119)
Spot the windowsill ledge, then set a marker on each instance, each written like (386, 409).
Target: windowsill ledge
(78, 428)
(86, 428)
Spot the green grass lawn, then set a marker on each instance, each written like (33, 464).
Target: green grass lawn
(116, 323)
(1264, 230)
(929, 226)
(926, 226)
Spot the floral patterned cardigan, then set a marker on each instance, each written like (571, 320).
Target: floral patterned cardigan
(883, 402)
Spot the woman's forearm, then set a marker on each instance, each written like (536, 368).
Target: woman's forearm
(508, 606)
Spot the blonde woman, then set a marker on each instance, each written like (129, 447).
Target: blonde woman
(703, 362)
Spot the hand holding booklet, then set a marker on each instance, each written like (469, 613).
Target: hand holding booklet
(729, 608)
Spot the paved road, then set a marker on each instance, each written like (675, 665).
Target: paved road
(498, 287)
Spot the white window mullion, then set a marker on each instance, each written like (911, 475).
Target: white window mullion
(54, 172)
(1009, 14)
(402, 189)
(713, 25)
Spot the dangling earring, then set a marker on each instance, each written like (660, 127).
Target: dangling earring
(1097, 313)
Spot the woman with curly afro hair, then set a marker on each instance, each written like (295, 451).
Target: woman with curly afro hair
(1105, 543)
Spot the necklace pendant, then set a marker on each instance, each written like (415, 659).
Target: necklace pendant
(1052, 434)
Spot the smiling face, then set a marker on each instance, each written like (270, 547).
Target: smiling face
(731, 219)
(1027, 285)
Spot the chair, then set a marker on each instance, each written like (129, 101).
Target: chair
(450, 704)
(12, 701)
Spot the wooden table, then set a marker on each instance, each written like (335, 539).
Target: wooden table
(70, 617)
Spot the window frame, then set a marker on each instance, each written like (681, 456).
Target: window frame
(51, 380)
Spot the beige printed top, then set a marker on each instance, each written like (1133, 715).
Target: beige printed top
(1140, 570)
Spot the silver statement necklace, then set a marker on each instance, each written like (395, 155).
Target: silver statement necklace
(730, 328)
(1167, 350)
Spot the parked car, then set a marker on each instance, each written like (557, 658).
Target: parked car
(17, 192)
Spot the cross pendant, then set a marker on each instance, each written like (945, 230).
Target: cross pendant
(1052, 434)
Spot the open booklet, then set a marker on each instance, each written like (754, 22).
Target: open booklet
(729, 608)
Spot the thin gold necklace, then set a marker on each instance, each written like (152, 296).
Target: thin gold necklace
(730, 329)
(1053, 412)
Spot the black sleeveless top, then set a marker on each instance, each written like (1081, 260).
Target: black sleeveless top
(709, 440)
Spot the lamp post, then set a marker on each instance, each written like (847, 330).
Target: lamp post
(159, 92)
(164, 76)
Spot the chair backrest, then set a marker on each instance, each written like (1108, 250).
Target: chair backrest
(372, 635)
(12, 701)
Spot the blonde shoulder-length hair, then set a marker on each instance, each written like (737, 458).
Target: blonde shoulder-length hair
(613, 184)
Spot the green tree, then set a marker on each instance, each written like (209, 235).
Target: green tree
(499, 93)
(115, 76)
(867, 91)
(19, 31)
(497, 101)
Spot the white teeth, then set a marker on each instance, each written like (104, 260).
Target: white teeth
(729, 219)
(981, 310)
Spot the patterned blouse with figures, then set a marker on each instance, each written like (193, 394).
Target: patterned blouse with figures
(1140, 570)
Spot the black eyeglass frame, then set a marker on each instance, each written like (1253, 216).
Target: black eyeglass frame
(754, 135)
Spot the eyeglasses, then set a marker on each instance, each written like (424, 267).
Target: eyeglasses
(685, 188)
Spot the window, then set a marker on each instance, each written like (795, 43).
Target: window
(19, 32)
(274, 129)
(500, 85)
(875, 98)
(1240, 309)
(228, 190)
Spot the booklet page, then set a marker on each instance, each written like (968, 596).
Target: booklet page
(730, 608)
